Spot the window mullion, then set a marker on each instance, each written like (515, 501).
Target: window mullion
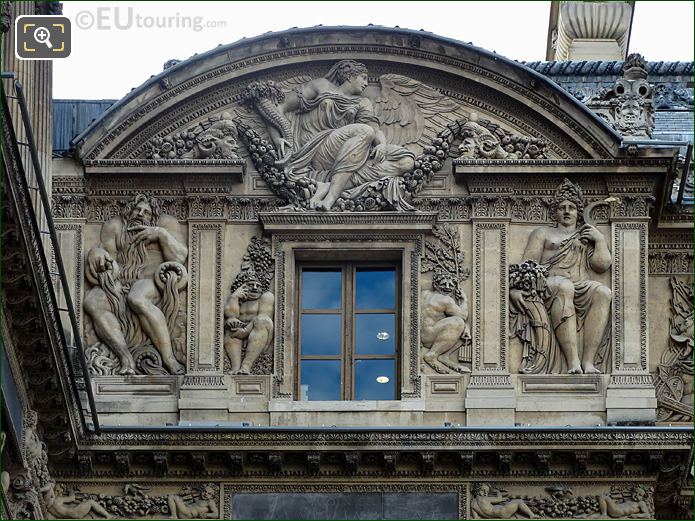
(348, 353)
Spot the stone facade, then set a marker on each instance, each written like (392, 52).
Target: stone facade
(535, 372)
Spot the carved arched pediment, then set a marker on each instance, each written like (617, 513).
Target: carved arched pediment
(434, 99)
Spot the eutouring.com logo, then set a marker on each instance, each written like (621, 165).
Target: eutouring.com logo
(121, 19)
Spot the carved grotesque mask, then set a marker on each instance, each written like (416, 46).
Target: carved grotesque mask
(218, 142)
(479, 143)
(629, 113)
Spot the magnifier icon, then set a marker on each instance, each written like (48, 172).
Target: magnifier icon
(43, 35)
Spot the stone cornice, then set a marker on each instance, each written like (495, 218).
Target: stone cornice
(235, 168)
(251, 437)
(636, 166)
(365, 222)
(260, 452)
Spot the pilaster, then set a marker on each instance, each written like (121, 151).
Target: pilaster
(630, 395)
(204, 393)
(490, 397)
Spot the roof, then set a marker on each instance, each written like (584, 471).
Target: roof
(72, 116)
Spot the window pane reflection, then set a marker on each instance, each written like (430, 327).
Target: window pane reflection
(375, 289)
(321, 289)
(320, 380)
(375, 334)
(321, 334)
(375, 380)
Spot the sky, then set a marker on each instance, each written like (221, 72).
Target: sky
(117, 46)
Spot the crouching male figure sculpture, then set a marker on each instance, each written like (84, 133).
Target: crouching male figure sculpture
(248, 317)
(578, 308)
(444, 326)
(136, 273)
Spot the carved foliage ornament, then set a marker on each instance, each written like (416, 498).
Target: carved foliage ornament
(21, 487)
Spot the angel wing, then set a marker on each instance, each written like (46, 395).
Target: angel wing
(410, 112)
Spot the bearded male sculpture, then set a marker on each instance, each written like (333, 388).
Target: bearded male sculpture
(136, 273)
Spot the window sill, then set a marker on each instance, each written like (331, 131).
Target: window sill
(346, 406)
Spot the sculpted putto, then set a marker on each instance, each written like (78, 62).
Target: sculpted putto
(621, 503)
(135, 274)
(578, 308)
(249, 309)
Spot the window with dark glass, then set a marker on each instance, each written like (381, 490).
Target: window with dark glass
(348, 332)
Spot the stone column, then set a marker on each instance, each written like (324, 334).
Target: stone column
(490, 397)
(630, 396)
(204, 394)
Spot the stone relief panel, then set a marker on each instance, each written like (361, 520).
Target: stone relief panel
(560, 315)
(249, 312)
(445, 330)
(136, 277)
(134, 501)
(340, 143)
(62, 505)
(674, 374)
(620, 501)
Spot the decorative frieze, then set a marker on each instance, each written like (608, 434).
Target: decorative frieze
(670, 262)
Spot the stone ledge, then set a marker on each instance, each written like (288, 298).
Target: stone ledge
(234, 168)
(364, 222)
(346, 406)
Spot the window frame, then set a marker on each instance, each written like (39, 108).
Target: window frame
(348, 313)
